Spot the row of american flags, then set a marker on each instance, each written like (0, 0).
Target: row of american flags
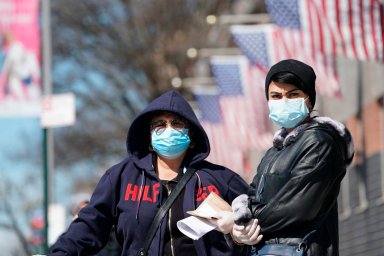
(317, 32)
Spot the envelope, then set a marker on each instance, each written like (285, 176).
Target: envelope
(197, 225)
(210, 206)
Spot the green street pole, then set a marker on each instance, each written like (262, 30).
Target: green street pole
(47, 132)
(45, 189)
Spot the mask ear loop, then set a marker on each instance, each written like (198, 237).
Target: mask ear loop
(150, 147)
(190, 135)
(310, 104)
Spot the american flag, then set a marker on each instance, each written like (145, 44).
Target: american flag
(229, 74)
(352, 28)
(242, 102)
(358, 26)
(316, 32)
(285, 43)
(208, 103)
(262, 129)
(253, 42)
(235, 114)
(222, 151)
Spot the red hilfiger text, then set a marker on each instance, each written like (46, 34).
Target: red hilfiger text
(151, 193)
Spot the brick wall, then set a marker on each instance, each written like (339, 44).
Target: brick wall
(361, 230)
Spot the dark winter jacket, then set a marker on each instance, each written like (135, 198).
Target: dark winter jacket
(297, 181)
(130, 193)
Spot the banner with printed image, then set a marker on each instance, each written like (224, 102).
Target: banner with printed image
(20, 75)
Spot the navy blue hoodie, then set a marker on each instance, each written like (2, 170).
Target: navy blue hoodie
(129, 194)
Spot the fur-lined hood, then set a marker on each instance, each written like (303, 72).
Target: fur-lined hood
(282, 138)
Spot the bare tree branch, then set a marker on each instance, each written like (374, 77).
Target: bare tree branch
(117, 56)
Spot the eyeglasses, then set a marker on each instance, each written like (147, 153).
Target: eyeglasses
(159, 126)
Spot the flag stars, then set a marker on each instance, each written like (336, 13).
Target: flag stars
(285, 13)
(253, 44)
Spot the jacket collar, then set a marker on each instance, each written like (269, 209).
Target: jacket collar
(282, 138)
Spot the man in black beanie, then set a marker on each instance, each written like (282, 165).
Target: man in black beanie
(294, 192)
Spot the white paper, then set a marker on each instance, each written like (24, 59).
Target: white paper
(198, 224)
(195, 227)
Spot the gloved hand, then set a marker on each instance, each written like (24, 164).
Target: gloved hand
(247, 234)
(241, 213)
(223, 220)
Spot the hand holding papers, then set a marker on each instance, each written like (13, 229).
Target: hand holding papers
(198, 224)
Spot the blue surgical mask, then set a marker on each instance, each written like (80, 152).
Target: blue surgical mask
(288, 113)
(170, 143)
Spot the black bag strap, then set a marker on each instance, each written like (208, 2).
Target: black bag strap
(308, 238)
(164, 209)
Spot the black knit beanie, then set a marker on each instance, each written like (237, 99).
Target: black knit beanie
(303, 71)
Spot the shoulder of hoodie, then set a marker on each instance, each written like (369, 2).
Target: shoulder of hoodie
(115, 171)
(205, 167)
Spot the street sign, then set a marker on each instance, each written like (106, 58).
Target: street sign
(58, 110)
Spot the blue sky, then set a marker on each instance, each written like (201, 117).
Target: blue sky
(23, 136)
(17, 135)
(20, 135)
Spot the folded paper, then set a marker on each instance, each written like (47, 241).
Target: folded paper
(195, 227)
(198, 224)
(210, 206)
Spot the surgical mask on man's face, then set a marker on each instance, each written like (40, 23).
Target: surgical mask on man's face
(288, 113)
(170, 143)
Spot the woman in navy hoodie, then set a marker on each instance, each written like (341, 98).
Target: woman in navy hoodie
(163, 140)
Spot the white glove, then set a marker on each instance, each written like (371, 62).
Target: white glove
(247, 234)
(224, 221)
